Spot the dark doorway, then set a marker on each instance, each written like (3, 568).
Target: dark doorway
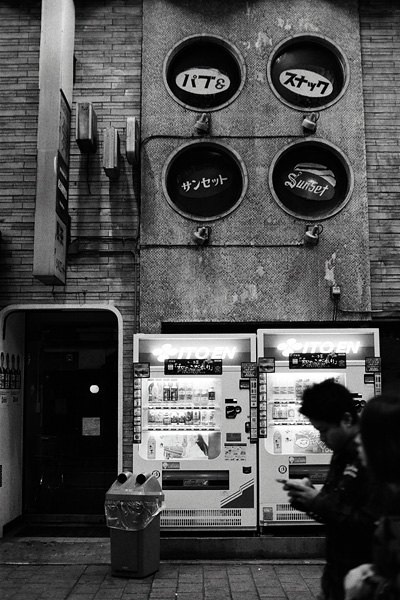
(71, 411)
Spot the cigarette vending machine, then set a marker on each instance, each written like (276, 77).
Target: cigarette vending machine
(289, 361)
(193, 430)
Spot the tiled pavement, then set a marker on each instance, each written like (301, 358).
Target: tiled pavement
(80, 569)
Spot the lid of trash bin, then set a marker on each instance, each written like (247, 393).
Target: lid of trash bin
(146, 491)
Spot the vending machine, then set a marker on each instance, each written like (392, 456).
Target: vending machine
(195, 427)
(290, 360)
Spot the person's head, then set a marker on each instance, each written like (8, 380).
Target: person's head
(332, 411)
(380, 437)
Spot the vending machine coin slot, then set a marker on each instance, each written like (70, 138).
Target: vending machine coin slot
(231, 412)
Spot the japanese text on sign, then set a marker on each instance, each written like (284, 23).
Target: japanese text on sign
(202, 81)
(317, 361)
(204, 182)
(192, 367)
(306, 83)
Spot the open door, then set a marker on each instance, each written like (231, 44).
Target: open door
(71, 411)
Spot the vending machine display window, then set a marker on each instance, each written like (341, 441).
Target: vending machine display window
(204, 72)
(290, 432)
(308, 72)
(182, 419)
(204, 180)
(311, 179)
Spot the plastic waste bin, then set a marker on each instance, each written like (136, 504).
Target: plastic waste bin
(132, 508)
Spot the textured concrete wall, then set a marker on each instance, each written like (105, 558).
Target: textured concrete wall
(253, 269)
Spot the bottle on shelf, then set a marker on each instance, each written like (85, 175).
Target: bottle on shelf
(277, 442)
(151, 447)
(181, 392)
(7, 373)
(189, 393)
(174, 391)
(150, 389)
(2, 373)
(13, 373)
(166, 391)
(204, 397)
(211, 395)
(197, 397)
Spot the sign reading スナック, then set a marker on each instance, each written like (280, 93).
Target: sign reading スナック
(306, 83)
(308, 73)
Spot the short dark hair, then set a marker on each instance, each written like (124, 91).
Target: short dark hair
(379, 428)
(328, 401)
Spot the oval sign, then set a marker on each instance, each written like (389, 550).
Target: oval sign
(203, 182)
(306, 83)
(311, 181)
(302, 442)
(202, 81)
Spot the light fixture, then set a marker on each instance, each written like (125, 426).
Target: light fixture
(201, 235)
(311, 236)
(202, 125)
(310, 122)
(86, 127)
(111, 153)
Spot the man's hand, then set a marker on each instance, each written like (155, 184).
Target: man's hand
(354, 581)
(301, 492)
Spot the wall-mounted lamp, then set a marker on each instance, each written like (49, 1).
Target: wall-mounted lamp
(111, 152)
(201, 235)
(132, 140)
(311, 236)
(309, 123)
(202, 125)
(86, 128)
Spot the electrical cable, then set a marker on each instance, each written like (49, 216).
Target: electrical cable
(87, 174)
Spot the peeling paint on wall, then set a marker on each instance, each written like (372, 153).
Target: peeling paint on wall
(262, 42)
(284, 24)
(249, 293)
(260, 77)
(301, 24)
(260, 271)
(330, 265)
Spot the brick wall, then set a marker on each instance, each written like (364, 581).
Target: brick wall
(380, 35)
(104, 213)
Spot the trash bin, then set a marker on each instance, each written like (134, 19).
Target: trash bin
(132, 508)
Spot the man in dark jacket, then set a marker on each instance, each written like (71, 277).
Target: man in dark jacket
(347, 503)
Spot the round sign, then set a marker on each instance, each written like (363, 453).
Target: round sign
(311, 179)
(204, 72)
(308, 72)
(204, 180)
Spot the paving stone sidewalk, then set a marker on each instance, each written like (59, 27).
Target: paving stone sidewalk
(80, 569)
